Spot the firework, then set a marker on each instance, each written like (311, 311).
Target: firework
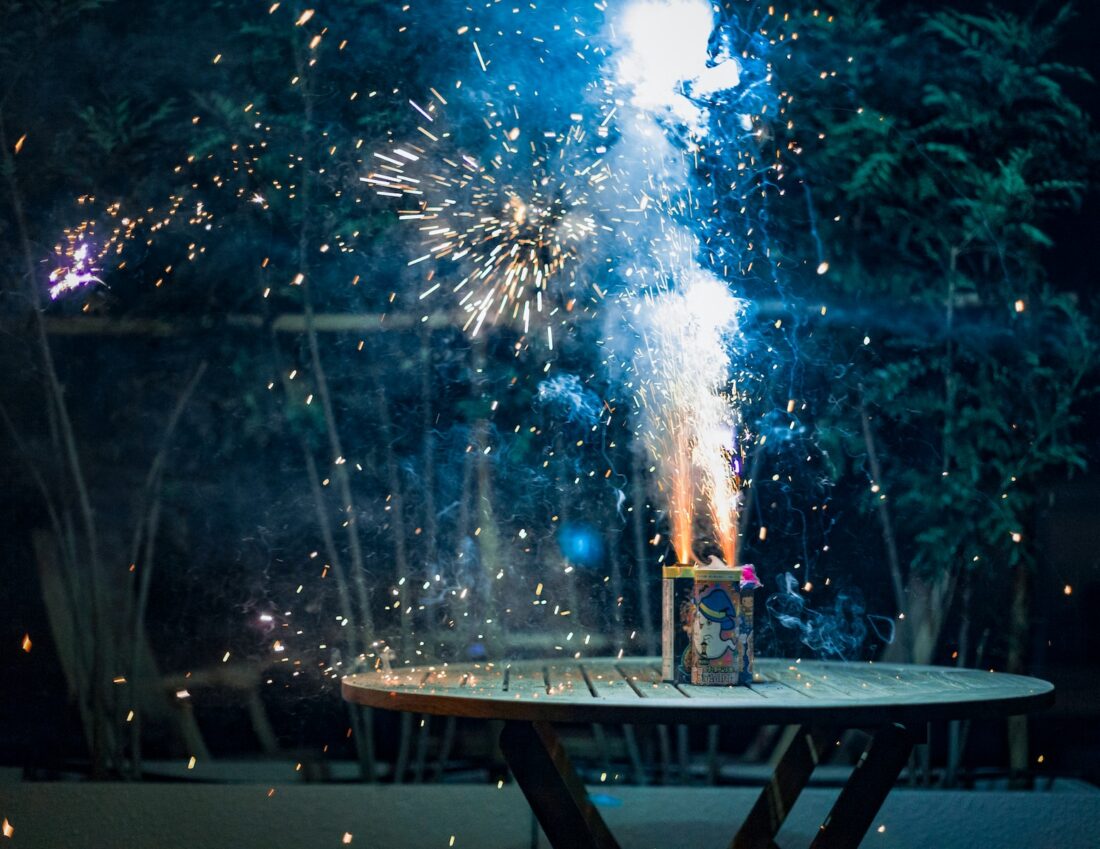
(80, 271)
(689, 412)
(98, 243)
(514, 225)
(668, 74)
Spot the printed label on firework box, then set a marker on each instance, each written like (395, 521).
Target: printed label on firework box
(721, 632)
(744, 635)
(677, 607)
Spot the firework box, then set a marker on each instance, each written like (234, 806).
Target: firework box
(749, 583)
(721, 625)
(677, 607)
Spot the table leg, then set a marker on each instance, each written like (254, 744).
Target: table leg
(553, 789)
(865, 791)
(791, 775)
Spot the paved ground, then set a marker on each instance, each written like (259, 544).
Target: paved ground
(172, 816)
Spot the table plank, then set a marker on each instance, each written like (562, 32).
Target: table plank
(608, 682)
(568, 679)
(801, 679)
(842, 680)
(648, 682)
(524, 681)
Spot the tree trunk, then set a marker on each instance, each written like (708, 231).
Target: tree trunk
(486, 533)
(957, 729)
(1019, 630)
(427, 451)
(641, 549)
(397, 518)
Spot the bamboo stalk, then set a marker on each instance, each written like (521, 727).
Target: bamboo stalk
(888, 538)
(340, 472)
(100, 755)
(641, 552)
(488, 538)
(427, 451)
(147, 526)
(355, 641)
(397, 513)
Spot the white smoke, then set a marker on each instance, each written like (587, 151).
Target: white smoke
(666, 63)
(684, 314)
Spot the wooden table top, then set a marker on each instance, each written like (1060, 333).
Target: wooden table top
(630, 690)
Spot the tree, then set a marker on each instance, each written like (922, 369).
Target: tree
(938, 180)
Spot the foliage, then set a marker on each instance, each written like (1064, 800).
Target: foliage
(949, 148)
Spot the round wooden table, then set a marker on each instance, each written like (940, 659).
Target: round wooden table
(894, 702)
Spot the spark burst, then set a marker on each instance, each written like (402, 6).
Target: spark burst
(517, 224)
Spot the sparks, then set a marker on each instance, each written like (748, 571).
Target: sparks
(515, 225)
(78, 274)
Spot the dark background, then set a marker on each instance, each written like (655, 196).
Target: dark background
(238, 523)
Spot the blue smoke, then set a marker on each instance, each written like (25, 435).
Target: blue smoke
(568, 400)
(839, 632)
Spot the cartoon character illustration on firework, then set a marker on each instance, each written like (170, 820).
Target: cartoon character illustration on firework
(714, 626)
